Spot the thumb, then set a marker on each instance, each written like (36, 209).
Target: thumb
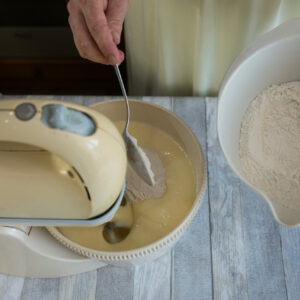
(115, 15)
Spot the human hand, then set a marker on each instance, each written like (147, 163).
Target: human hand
(97, 27)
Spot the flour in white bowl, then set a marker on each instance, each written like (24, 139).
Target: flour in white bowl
(270, 143)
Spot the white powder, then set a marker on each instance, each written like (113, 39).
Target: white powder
(270, 143)
(137, 189)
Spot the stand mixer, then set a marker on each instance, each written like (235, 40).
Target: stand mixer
(55, 156)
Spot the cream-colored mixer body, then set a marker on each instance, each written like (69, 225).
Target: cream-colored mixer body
(97, 160)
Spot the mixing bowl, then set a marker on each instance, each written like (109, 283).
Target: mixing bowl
(272, 59)
(172, 125)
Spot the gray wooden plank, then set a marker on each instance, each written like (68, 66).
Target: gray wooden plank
(115, 283)
(266, 279)
(40, 289)
(85, 100)
(290, 241)
(78, 287)
(229, 270)
(11, 287)
(76, 99)
(192, 254)
(246, 247)
(165, 102)
(152, 279)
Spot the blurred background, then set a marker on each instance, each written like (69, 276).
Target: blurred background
(38, 55)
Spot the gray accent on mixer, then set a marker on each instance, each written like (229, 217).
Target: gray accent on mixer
(60, 117)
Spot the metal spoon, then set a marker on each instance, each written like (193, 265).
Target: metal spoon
(136, 156)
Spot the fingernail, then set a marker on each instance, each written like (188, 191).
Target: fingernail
(116, 37)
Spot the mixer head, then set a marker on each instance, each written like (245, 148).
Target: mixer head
(60, 164)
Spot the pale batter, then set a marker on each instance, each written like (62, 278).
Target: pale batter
(151, 219)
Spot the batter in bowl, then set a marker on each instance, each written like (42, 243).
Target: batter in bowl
(140, 223)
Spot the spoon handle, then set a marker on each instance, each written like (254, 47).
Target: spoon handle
(125, 133)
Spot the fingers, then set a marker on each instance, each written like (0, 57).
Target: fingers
(115, 14)
(92, 35)
(86, 46)
(100, 31)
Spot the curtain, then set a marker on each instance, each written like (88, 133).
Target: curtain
(184, 47)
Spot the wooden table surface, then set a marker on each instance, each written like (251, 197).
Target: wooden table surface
(234, 249)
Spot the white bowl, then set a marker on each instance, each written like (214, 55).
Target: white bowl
(273, 59)
(178, 130)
